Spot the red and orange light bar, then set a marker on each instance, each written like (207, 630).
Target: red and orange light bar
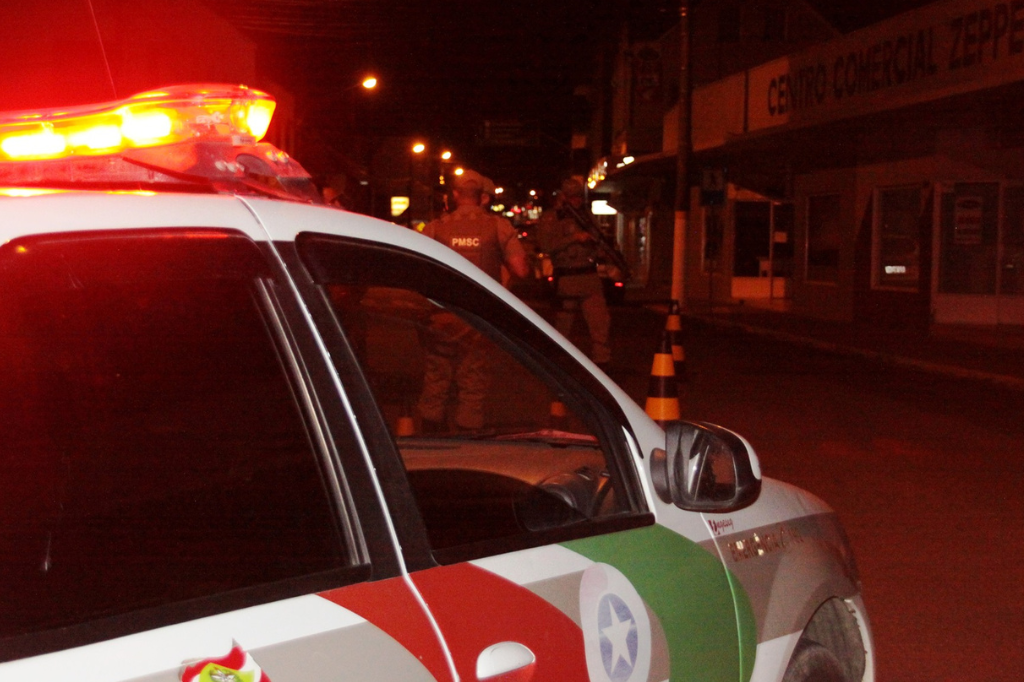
(205, 112)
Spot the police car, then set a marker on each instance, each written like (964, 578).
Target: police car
(212, 468)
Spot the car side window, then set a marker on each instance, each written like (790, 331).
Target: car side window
(152, 448)
(501, 446)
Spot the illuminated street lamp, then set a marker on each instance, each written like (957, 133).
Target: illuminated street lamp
(446, 159)
(367, 83)
(417, 152)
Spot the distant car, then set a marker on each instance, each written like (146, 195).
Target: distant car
(212, 468)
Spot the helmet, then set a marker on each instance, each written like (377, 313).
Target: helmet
(469, 181)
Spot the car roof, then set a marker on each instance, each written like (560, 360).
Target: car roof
(39, 212)
(43, 211)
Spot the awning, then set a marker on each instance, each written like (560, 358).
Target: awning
(647, 182)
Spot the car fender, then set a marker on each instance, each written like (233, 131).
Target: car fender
(790, 554)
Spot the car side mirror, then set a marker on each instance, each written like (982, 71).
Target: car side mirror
(705, 468)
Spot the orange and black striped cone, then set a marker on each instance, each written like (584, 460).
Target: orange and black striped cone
(558, 414)
(674, 326)
(662, 395)
(405, 426)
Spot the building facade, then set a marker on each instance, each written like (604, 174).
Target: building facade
(876, 176)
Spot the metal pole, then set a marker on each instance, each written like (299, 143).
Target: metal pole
(682, 205)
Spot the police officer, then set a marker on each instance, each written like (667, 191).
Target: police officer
(455, 353)
(574, 253)
(485, 239)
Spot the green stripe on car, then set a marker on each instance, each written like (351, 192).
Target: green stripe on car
(688, 589)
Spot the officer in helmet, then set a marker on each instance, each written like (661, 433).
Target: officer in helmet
(455, 354)
(574, 250)
(485, 239)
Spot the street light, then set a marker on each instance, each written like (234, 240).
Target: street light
(417, 150)
(366, 83)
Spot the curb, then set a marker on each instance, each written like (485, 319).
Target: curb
(1001, 380)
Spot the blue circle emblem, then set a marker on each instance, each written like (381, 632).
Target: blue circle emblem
(619, 637)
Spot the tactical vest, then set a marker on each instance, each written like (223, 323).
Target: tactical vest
(573, 254)
(474, 234)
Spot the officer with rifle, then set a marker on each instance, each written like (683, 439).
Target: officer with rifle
(575, 244)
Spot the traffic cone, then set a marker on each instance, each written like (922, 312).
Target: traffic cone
(662, 395)
(405, 427)
(674, 326)
(557, 414)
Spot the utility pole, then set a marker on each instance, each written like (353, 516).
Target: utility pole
(682, 207)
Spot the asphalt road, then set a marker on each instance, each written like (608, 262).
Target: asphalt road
(924, 471)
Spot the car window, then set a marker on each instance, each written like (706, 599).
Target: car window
(502, 446)
(152, 448)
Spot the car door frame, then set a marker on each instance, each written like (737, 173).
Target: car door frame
(533, 347)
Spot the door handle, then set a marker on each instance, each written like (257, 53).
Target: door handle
(505, 662)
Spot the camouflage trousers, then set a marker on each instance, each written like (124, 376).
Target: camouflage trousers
(584, 294)
(455, 371)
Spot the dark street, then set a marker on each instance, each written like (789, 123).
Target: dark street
(924, 471)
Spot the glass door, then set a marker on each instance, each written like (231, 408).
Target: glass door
(981, 254)
(968, 244)
(780, 256)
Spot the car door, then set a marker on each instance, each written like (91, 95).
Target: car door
(173, 506)
(540, 557)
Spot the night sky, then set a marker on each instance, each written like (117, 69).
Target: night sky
(443, 65)
(446, 66)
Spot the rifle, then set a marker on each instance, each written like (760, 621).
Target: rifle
(608, 248)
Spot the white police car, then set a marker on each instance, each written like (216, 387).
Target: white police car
(211, 468)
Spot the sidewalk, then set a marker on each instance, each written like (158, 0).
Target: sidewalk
(990, 354)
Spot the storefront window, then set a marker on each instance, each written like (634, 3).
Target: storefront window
(783, 220)
(967, 263)
(713, 231)
(751, 247)
(823, 238)
(897, 244)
